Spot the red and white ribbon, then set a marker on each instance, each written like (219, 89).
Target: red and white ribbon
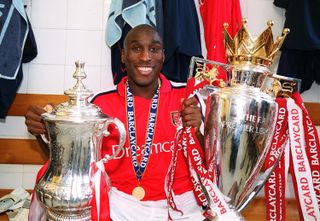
(186, 141)
(301, 156)
(200, 178)
(100, 209)
(312, 146)
(300, 166)
(275, 161)
(37, 211)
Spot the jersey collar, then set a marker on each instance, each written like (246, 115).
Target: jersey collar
(165, 85)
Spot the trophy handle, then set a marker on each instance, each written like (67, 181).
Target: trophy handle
(197, 63)
(44, 138)
(48, 108)
(122, 137)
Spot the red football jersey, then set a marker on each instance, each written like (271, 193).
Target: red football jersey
(120, 169)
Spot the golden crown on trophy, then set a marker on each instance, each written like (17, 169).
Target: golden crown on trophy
(244, 49)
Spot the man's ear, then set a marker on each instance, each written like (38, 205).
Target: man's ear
(123, 56)
(163, 56)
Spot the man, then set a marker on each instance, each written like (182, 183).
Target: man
(149, 106)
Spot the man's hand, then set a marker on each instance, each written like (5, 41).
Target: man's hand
(192, 117)
(191, 113)
(36, 126)
(34, 121)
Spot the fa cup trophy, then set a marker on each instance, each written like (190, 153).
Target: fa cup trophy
(240, 117)
(75, 131)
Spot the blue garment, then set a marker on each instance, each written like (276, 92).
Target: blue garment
(13, 34)
(300, 56)
(181, 38)
(133, 12)
(304, 65)
(303, 20)
(17, 45)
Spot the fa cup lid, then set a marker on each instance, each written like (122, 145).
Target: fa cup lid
(78, 108)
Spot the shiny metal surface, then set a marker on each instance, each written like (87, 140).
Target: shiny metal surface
(247, 75)
(243, 48)
(65, 187)
(75, 131)
(240, 117)
(239, 126)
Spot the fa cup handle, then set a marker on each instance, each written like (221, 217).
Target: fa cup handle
(122, 137)
(44, 138)
(48, 108)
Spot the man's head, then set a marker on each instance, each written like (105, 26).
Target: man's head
(143, 55)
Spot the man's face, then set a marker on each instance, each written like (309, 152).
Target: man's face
(143, 57)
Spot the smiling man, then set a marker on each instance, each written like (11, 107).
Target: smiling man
(143, 56)
(147, 102)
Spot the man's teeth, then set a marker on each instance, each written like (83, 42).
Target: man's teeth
(144, 68)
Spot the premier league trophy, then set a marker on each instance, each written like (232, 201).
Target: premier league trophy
(240, 117)
(75, 130)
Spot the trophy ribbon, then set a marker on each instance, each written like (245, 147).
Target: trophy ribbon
(200, 177)
(275, 189)
(215, 205)
(300, 168)
(275, 184)
(101, 182)
(194, 155)
(100, 185)
(170, 175)
(312, 146)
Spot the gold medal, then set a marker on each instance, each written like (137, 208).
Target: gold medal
(138, 192)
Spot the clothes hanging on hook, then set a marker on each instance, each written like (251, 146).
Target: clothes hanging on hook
(17, 46)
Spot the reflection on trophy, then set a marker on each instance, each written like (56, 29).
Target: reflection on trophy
(75, 131)
(240, 118)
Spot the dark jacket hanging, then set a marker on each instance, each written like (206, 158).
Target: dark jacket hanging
(181, 38)
(300, 57)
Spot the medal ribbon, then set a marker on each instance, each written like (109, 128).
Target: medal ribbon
(299, 165)
(139, 169)
(275, 184)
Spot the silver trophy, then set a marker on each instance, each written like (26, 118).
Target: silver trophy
(240, 117)
(75, 131)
